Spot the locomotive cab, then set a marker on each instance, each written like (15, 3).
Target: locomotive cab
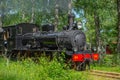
(12, 35)
(24, 28)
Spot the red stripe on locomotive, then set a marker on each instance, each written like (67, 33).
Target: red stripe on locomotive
(78, 57)
(81, 57)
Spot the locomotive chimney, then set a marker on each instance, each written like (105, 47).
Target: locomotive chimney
(71, 20)
(71, 16)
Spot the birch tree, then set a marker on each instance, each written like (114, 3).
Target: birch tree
(118, 25)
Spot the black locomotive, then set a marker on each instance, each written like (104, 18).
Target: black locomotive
(26, 39)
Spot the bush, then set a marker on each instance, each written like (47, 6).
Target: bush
(110, 63)
(42, 70)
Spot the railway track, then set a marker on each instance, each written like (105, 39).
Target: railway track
(113, 75)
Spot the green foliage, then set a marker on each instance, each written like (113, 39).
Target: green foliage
(110, 63)
(116, 59)
(42, 70)
(107, 13)
(17, 11)
(111, 60)
(107, 61)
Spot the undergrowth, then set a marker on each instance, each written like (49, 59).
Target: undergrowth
(42, 70)
(109, 63)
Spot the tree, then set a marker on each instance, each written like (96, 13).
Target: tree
(91, 8)
(102, 13)
(118, 41)
(2, 12)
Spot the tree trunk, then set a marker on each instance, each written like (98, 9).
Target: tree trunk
(0, 21)
(70, 7)
(56, 17)
(2, 8)
(97, 30)
(32, 15)
(118, 41)
(1, 24)
(23, 15)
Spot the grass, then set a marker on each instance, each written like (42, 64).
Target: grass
(110, 69)
(45, 70)
(42, 70)
(108, 64)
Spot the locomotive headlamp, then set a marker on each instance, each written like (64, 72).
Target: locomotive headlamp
(79, 25)
(75, 49)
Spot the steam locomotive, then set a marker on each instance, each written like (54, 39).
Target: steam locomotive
(26, 39)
